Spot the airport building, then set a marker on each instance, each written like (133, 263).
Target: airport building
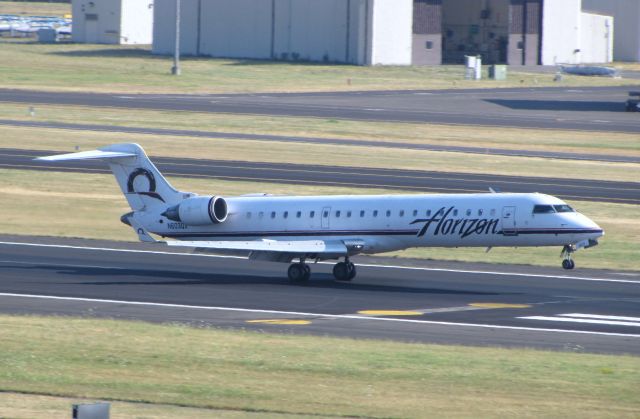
(390, 32)
(626, 17)
(112, 21)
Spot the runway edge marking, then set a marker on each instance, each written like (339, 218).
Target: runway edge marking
(305, 314)
(367, 265)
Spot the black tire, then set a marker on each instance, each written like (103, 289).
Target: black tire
(352, 271)
(341, 271)
(296, 273)
(568, 264)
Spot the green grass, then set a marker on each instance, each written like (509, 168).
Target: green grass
(33, 8)
(223, 370)
(453, 135)
(322, 154)
(95, 203)
(127, 69)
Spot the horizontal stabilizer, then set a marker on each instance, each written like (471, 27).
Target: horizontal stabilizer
(301, 246)
(88, 155)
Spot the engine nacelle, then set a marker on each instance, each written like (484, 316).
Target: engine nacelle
(199, 210)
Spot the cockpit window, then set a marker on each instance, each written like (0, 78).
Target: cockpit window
(543, 209)
(563, 208)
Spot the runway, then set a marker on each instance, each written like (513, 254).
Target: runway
(407, 180)
(583, 108)
(434, 302)
(321, 140)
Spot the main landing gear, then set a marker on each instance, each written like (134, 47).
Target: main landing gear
(567, 262)
(344, 271)
(299, 272)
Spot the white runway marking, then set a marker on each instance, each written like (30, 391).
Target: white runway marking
(370, 265)
(320, 315)
(590, 319)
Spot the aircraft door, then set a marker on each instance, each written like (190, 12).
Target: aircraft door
(325, 217)
(509, 221)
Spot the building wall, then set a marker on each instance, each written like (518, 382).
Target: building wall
(626, 18)
(596, 32)
(561, 35)
(136, 22)
(164, 26)
(426, 46)
(391, 32)
(96, 22)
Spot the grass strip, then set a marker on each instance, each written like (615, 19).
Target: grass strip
(322, 154)
(89, 206)
(129, 69)
(34, 8)
(256, 372)
(448, 135)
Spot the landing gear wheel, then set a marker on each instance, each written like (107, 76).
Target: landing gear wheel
(342, 272)
(568, 264)
(299, 272)
(352, 270)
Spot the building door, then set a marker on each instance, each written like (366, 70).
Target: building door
(509, 221)
(326, 216)
(91, 28)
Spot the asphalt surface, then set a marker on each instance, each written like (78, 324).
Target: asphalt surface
(321, 140)
(453, 303)
(407, 180)
(583, 108)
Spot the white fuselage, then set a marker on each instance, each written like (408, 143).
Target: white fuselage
(392, 222)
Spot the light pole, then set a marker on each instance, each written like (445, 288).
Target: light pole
(175, 70)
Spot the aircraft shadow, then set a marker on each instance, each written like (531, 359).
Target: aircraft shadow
(152, 277)
(559, 105)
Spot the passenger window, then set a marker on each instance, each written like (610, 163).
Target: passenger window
(388, 213)
(428, 213)
(480, 212)
(402, 213)
(493, 211)
(415, 213)
(361, 213)
(375, 213)
(348, 214)
(273, 214)
(286, 214)
(337, 214)
(455, 212)
(440, 212)
(249, 215)
(543, 209)
(563, 208)
(298, 214)
(312, 214)
(325, 214)
(468, 212)
(261, 214)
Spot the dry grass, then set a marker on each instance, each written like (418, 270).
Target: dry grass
(127, 69)
(32, 8)
(96, 205)
(320, 154)
(134, 361)
(452, 135)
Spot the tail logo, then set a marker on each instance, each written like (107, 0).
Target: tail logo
(150, 180)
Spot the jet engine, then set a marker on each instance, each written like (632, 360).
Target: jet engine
(199, 210)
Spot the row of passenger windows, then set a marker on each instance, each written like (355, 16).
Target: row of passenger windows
(373, 213)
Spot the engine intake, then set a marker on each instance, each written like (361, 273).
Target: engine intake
(199, 210)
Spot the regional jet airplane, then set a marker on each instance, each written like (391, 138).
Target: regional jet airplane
(303, 228)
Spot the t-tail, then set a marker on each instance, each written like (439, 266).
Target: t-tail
(139, 179)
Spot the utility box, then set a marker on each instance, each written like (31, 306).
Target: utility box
(91, 411)
(498, 72)
(473, 67)
(48, 36)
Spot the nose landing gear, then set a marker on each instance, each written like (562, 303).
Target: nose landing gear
(344, 271)
(567, 262)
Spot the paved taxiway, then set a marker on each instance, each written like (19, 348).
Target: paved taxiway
(584, 108)
(437, 302)
(409, 180)
(319, 140)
